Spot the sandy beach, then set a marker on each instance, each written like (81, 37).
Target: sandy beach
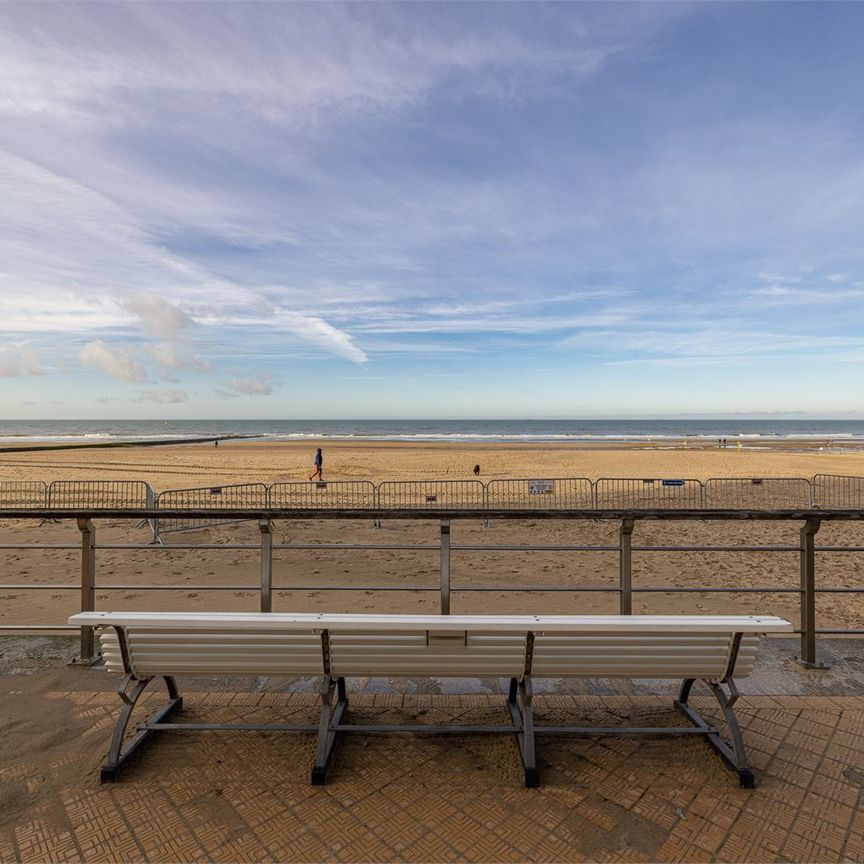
(191, 465)
(311, 571)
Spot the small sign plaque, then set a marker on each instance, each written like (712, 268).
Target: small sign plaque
(541, 487)
(431, 499)
(673, 482)
(216, 490)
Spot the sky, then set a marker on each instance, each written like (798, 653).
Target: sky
(466, 210)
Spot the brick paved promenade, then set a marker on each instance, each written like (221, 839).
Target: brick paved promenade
(234, 796)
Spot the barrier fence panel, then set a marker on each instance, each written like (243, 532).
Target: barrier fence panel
(100, 494)
(23, 493)
(672, 494)
(239, 496)
(560, 493)
(344, 494)
(432, 494)
(769, 493)
(838, 492)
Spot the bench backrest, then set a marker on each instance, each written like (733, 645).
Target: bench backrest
(545, 646)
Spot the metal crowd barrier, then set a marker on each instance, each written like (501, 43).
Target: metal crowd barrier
(347, 494)
(648, 494)
(431, 494)
(826, 491)
(93, 494)
(23, 493)
(838, 491)
(769, 493)
(567, 493)
(237, 496)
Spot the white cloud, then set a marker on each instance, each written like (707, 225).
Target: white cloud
(19, 360)
(115, 361)
(158, 316)
(162, 397)
(257, 385)
(167, 355)
(317, 331)
(494, 324)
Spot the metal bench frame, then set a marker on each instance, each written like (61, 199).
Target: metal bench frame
(334, 706)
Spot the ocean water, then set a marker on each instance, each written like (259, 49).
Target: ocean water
(586, 431)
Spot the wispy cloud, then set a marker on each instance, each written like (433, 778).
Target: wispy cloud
(162, 397)
(116, 361)
(257, 385)
(193, 194)
(19, 360)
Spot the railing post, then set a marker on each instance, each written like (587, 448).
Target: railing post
(266, 529)
(445, 566)
(625, 565)
(808, 594)
(87, 654)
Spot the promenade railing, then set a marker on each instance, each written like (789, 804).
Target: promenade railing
(807, 590)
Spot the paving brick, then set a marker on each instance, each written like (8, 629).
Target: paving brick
(246, 796)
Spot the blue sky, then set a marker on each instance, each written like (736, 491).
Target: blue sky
(274, 210)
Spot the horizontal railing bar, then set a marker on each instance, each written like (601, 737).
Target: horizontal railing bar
(715, 548)
(839, 631)
(577, 588)
(40, 546)
(253, 588)
(410, 513)
(383, 547)
(653, 589)
(434, 588)
(618, 548)
(422, 547)
(538, 588)
(40, 586)
(38, 627)
(456, 548)
(661, 589)
(230, 547)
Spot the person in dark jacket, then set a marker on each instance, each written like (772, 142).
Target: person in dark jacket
(319, 464)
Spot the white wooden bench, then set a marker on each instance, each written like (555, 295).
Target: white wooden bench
(688, 648)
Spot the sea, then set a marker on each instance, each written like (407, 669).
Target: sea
(593, 430)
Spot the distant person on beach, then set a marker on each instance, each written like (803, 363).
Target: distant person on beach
(476, 470)
(319, 464)
(216, 443)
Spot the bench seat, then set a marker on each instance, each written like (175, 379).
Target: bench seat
(713, 649)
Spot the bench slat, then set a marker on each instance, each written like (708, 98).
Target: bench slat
(384, 623)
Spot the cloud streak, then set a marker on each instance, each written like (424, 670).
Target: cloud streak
(258, 385)
(199, 194)
(119, 363)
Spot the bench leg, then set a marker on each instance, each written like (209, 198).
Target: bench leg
(331, 715)
(734, 755)
(117, 752)
(523, 716)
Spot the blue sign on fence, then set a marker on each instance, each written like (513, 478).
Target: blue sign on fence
(673, 482)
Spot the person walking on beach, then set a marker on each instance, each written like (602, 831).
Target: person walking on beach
(319, 463)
